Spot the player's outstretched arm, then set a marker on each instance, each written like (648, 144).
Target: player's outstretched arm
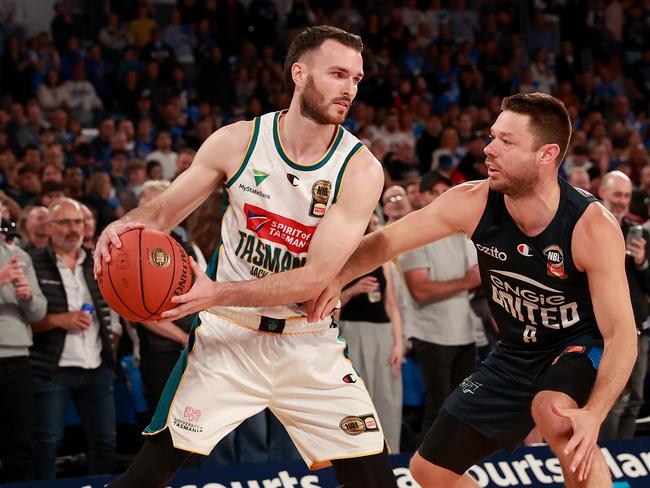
(598, 248)
(209, 167)
(457, 210)
(336, 237)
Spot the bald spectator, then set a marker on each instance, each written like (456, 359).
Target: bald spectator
(73, 353)
(579, 178)
(33, 228)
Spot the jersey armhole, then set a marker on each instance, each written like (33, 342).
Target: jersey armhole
(339, 179)
(488, 212)
(249, 151)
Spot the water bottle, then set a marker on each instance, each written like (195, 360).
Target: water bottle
(88, 308)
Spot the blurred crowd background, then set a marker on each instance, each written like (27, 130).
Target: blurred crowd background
(112, 102)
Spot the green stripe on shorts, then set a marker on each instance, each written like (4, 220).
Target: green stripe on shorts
(160, 416)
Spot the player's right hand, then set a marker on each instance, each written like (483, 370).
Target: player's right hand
(75, 321)
(111, 237)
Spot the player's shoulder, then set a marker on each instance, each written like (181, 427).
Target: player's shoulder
(363, 164)
(597, 233)
(596, 219)
(227, 145)
(471, 192)
(236, 133)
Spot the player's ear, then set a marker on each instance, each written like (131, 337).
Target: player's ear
(299, 74)
(549, 153)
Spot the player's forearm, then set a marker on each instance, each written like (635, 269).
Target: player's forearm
(286, 288)
(151, 215)
(619, 356)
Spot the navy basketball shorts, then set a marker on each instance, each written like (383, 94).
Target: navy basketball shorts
(491, 409)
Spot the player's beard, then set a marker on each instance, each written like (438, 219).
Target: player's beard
(314, 106)
(520, 182)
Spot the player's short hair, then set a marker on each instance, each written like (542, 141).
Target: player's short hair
(312, 38)
(549, 119)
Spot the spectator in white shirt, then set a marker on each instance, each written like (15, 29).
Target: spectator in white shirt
(73, 353)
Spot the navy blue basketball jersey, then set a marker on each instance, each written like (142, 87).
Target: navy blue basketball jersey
(537, 296)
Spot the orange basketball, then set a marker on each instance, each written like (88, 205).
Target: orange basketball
(144, 274)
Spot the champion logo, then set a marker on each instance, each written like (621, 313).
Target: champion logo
(524, 250)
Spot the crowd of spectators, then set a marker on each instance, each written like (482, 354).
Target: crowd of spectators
(119, 95)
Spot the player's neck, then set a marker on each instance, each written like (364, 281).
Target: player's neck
(534, 212)
(303, 139)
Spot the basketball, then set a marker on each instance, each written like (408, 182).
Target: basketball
(144, 274)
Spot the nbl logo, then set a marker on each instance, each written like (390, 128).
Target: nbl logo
(555, 261)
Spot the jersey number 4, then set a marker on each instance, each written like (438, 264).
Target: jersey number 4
(530, 334)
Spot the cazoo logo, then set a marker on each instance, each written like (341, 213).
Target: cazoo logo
(492, 251)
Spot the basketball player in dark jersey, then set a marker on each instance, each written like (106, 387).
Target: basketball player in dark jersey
(552, 266)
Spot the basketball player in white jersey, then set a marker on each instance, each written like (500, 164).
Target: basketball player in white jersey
(301, 190)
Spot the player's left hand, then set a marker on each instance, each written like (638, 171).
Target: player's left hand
(200, 297)
(586, 426)
(325, 304)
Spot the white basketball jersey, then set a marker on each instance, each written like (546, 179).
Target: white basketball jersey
(275, 205)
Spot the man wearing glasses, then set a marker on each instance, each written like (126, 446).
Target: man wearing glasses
(73, 353)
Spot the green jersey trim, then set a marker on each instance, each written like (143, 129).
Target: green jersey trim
(249, 151)
(355, 150)
(303, 167)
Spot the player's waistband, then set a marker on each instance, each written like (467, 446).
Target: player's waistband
(261, 323)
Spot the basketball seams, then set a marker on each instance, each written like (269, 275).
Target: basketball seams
(142, 297)
(110, 279)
